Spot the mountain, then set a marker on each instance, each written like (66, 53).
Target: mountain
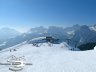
(36, 30)
(87, 46)
(74, 36)
(93, 27)
(84, 35)
(57, 32)
(73, 28)
(7, 33)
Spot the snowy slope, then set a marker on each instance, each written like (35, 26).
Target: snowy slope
(56, 58)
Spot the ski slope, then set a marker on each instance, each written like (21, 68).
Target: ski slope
(55, 58)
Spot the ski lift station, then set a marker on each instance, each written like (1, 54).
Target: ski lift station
(44, 39)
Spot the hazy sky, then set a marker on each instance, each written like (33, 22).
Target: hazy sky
(24, 14)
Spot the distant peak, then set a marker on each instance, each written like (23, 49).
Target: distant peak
(76, 25)
(84, 27)
(94, 25)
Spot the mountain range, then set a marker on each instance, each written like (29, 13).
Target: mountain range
(77, 34)
(7, 33)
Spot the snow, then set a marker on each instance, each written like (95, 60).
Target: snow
(92, 28)
(4, 43)
(95, 48)
(53, 58)
(71, 32)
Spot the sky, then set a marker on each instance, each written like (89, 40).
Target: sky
(24, 14)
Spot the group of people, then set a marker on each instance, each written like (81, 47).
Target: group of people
(11, 50)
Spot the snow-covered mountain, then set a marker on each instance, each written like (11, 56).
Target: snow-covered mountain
(7, 33)
(76, 34)
(93, 27)
(55, 58)
(56, 32)
(84, 35)
(48, 57)
(39, 30)
(72, 29)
